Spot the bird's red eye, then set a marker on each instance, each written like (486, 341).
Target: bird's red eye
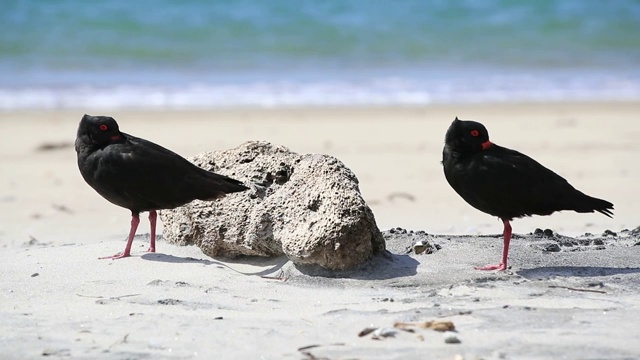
(104, 127)
(475, 133)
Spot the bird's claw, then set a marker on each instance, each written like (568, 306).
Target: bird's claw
(116, 256)
(500, 267)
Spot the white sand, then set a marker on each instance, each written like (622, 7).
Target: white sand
(86, 308)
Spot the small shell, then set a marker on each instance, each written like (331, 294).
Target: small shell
(385, 332)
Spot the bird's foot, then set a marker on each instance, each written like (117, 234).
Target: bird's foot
(500, 267)
(151, 249)
(116, 256)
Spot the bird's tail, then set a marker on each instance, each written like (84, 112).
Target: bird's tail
(591, 204)
(217, 186)
(229, 185)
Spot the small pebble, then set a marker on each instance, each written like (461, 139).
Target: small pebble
(451, 338)
(420, 246)
(551, 247)
(366, 331)
(34, 274)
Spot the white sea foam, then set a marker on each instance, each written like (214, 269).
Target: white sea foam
(375, 91)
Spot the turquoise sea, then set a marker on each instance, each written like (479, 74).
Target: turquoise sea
(208, 53)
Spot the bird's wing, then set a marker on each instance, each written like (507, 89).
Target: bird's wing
(141, 175)
(510, 184)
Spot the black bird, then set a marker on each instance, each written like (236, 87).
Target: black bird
(505, 183)
(141, 176)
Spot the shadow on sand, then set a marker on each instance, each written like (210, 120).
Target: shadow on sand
(273, 264)
(381, 267)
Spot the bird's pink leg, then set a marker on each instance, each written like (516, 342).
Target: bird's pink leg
(135, 220)
(505, 249)
(152, 220)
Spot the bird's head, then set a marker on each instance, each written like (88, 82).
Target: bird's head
(467, 136)
(98, 131)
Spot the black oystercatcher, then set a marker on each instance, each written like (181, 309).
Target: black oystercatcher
(505, 183)
(141, 176)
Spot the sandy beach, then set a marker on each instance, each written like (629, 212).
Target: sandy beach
(58, 300)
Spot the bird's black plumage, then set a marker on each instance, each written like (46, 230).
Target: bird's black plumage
(139, 175)
(505, 183)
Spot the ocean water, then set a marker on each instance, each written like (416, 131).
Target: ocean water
(207, 53)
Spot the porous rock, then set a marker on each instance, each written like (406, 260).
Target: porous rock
(307, 207)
